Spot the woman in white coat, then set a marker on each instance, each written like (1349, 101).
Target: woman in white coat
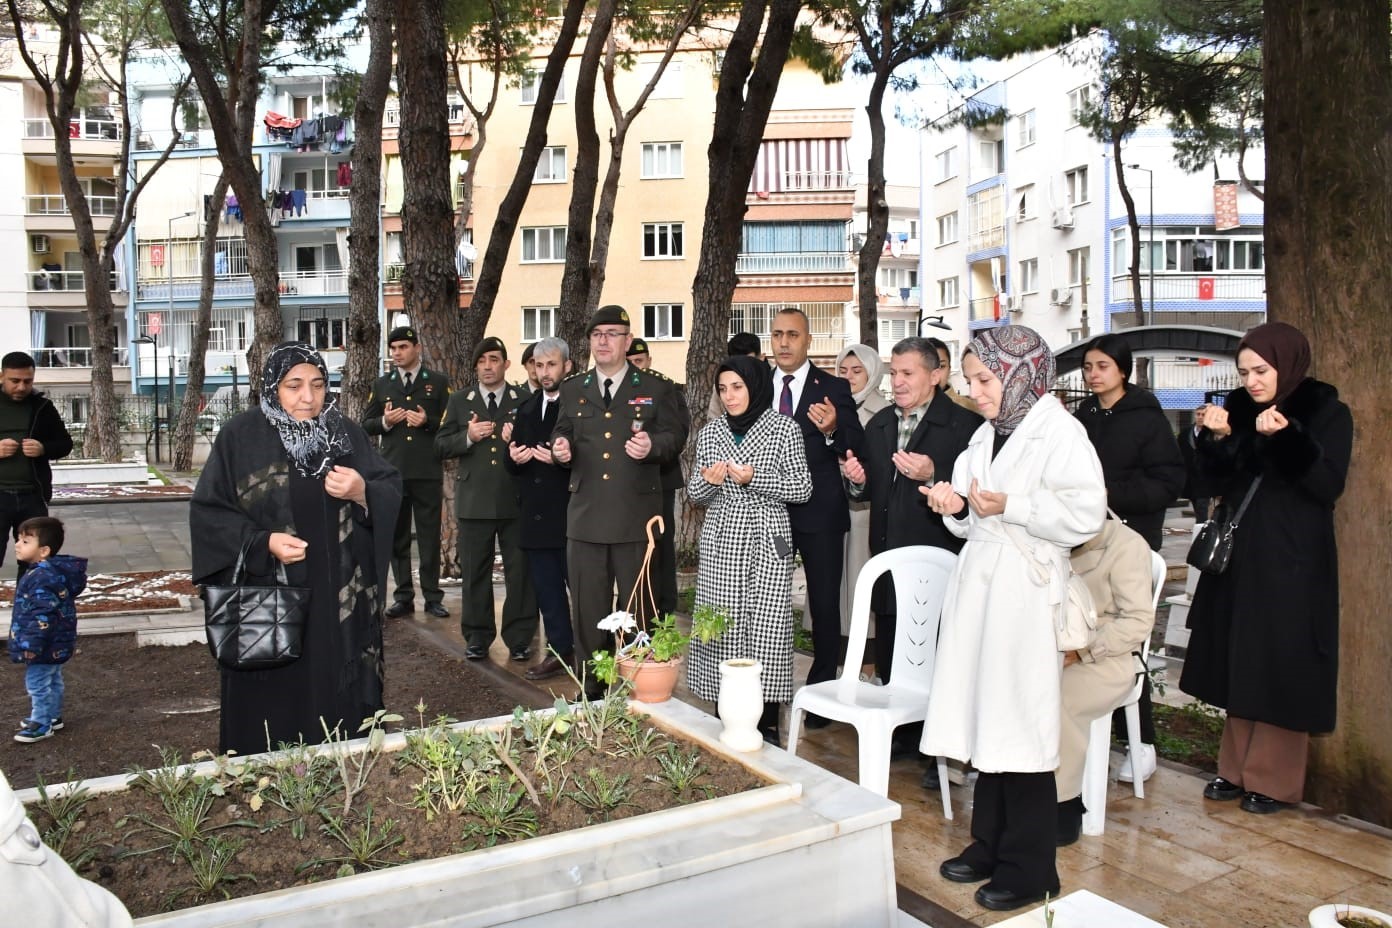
(1028, 481)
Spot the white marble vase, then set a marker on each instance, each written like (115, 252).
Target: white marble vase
(741, 704)
(1327, 916)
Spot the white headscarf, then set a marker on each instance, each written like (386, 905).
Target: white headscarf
(874, 367)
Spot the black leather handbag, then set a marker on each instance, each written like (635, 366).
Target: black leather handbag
(255, 627)
(1213, 544)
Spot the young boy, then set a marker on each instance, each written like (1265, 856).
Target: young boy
(43, 627)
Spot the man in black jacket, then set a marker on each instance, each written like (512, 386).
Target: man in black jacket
(31, 435)
(907, 445)
(822, 406)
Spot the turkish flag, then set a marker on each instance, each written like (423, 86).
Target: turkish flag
(995, 306)
(1206, 288)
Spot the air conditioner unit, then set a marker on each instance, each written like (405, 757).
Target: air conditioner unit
(1063, 218)
(1061, 296)
(1014, 302)
(38, 244)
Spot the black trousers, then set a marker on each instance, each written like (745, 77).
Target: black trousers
(548, 569)
(664, 576)
(476, 622)
(421, 499)
(594, 570)
(1014, 831)
(822, 555)
(15, 507)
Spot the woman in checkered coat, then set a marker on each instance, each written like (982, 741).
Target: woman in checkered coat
(750, 464)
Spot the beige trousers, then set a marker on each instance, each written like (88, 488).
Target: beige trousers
(1264, 758)
(1089, 692)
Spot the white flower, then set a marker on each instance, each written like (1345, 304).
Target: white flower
(618, 622)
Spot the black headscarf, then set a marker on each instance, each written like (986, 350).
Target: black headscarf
(314, 444)
(758, 380)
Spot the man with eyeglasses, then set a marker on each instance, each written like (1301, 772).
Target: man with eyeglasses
(619, 426)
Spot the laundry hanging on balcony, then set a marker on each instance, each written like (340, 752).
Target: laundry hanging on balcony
(280, 128)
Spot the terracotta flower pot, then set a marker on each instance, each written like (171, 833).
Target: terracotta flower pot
(653, 681)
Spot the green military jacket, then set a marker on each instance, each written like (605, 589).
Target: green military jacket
(410, 450)
(612, 496)
(484, 489)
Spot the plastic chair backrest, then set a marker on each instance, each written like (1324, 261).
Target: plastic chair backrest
(920, 574)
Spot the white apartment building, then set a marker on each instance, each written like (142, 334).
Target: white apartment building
(1024, 224)
(899, 306)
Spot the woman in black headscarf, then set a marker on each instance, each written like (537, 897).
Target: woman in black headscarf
(750, 464)
(294, 481)
(1264, 635)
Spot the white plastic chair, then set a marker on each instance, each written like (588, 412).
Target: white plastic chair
(920, 575)
(1096, 765)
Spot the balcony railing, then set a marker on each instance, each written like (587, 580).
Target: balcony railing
(827, 323)
(106, 130)
(800, 262)
(57, 205)
(394, 273)
(990, 237)
(42, 281)
(314, 283)
(1172, 286)
(75, 357)
(817, 180)
(984, 309)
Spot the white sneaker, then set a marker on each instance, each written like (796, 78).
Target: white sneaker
(1147, 764)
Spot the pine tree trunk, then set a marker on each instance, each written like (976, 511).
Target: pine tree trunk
(876, 215)
(182, 437)
(1328, 126)
(364, 232)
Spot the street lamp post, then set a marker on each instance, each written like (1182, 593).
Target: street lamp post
(1150, 257)
(169, 267)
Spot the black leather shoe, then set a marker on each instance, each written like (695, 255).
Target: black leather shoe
(520, 655)
(475, 652)
(812, 720)
(438, 610)
(1070, 822)
(550, 667)
(1221, 790)
(959, 871)
(999, 899)
(1261, 804)
(930, 777)
(397, 609)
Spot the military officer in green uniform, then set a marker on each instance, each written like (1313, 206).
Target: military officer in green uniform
(619, 426)
(405, 409)
(475, 429)
(665, 564)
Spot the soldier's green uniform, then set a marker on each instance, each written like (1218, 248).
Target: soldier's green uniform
(486, 505)
(412, 452)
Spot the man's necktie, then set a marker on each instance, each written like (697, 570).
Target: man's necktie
(785, 402)
(406, 382)
(608, 392)
(492, 405)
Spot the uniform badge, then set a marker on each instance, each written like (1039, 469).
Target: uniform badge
(470, 397)
(641, 401)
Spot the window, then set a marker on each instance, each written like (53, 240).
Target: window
(538, 322)
(551, 167)
(896, 278)
(913, 229)
(662, 240)
(1076, 182)
(947, 228)
(1079, 101)
(662, 321)
(1078, 267)
(542, 244)
(991, 153)
(1025, 125)
(531, 80)
(1024, 203)
(670, 86)
(1029, 276)
(947, 292)
(947, 164)
(893, 330)
(662, 159)
(321, 333)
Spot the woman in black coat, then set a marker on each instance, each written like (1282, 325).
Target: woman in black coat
(1264, 635)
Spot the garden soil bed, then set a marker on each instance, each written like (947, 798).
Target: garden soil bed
(136, 591)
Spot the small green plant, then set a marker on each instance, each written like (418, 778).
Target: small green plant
(501, 815)
(639, 741)
(680, 771)
(365, 843)
(64, 810)
(299, 781)
(211, 862)
(354, 767)
(802, 637)
(454, 764)
(167, 781)
(185, 821)
(601, 794)
(709, 623)
(660, 640)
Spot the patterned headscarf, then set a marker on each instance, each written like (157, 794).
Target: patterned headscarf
(874, 367)
(1285, 348)
(1025, 365)
(314, 444)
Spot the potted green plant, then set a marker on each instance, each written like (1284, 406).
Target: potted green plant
(651, 660)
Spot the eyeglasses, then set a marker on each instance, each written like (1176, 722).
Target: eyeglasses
(600, 335)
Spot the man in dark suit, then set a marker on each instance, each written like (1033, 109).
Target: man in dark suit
(665, 563)
(823, 408)
(619, 426)
(485, 503)
(405, 410)
(543, 490)
(907, 445)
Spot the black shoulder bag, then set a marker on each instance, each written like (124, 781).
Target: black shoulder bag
(1213, 545)
(255, 627)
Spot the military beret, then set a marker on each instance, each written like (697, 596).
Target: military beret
(403, 333)
(491, 343)
(637, 347)
(611, 314)
(527, 352)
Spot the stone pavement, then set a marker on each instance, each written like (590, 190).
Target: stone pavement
(120, 537)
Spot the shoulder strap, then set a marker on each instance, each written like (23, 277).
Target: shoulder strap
(1247, 498)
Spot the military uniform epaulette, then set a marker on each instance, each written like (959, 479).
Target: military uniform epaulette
(659, 375)
(572, 375)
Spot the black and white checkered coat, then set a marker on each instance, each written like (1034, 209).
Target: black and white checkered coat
(740, 569)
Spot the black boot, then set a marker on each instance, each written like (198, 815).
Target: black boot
(768, 722)
(1070, 820)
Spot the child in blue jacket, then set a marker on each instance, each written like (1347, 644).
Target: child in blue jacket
(43, 627)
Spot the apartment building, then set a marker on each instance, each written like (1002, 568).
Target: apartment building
(899, 307)
(1027, 226)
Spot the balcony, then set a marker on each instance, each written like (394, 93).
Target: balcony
(318, 204)
(75, 357)
(106, 130)
(1181, 287)
(984, 309)
(58, 289)
(795, 181)
(827, 322)
(800, 262)
(328, 282)
(892, 298)
(314, 283)
(90, 135)
(393, 273)
(44, 204)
